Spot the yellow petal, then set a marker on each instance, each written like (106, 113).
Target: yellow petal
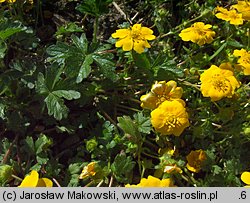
(126, 44)
(245, 177)
(195, 170)
(139, 46)
(121, 33)
(44, 182)
(30, 180)
(149, 101)
(146, 31)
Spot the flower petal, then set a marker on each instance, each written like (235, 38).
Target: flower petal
(126, 44)
(30, 180)
(121, 33)
(44, 182)
(245, 177)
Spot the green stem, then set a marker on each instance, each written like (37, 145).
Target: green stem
(95, 29)
(151, 156)
(16, 177)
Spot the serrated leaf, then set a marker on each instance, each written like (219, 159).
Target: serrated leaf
(85, 69)
(171, 66)
(40, 84)
(143, 123)
(56, 106)
(53, 74)
(75, 168)
(122, 166)
(42, 143)
(67, 94)
(127, 125)
(58, 52)
(94, 7)
(107, 66)
(69, 28)
(81, 43)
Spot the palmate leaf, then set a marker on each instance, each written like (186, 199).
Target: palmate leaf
(67, 94)
(144, 124)
(106, 65)
(55, 103)
(122, 166)
(55, 91)
(56, 106)
(81, 43)
(42, 144)
(94, 7)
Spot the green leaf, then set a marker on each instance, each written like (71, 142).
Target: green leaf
(42, 159)
(81, 43)
(59, 52)
(2, 110)
(8, 28)
(218, 51)
(52, 76)
(42, 144)
(143, 123)
(235, 43)
(107, 66)
(3, 48)
(29, 145)
(69, 28)
(85, 69)
(75, 168)
(56, 106)
(67, 94)
(141, 60)
(94, 7)
(122, 167)
(127, 125)
(40, 84)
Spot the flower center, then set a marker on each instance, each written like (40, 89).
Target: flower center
(246, 59)
(136, 34)
(200, 32)
(220, 85)
(172, 121)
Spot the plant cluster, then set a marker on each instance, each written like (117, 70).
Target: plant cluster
(151, 93)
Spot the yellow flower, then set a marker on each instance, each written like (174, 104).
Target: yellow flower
(88, 170)
(195, 160)
(245, 177)
(198, 33)
(134, 38)
(160, 92)
(244, 60)
(218, 82)
(243, 7)
(9, 1)
(172, 168)
(33, 180)
(231, 16)
(153, 182)
(170, 118)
